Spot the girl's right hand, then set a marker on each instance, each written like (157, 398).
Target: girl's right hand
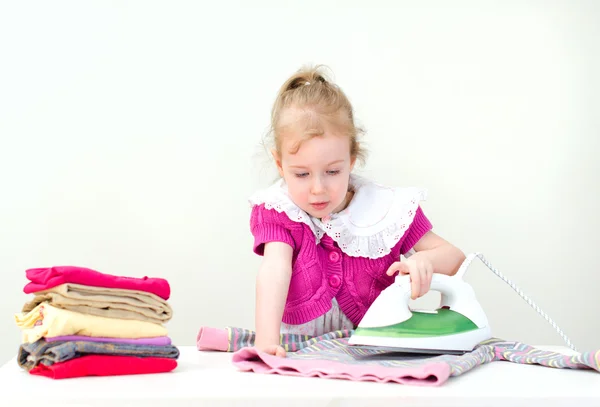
(272, 283)
(275, 350)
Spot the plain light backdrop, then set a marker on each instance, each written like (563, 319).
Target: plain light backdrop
(130, 139)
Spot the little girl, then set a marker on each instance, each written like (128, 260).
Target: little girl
(331, 241)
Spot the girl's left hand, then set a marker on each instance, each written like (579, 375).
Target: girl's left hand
(420, 269)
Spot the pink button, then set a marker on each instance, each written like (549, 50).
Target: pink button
(334, 257)
(335, 281)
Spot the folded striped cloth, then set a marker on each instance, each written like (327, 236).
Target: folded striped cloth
(49, 353)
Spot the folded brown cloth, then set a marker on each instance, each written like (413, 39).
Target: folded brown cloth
(105, 302)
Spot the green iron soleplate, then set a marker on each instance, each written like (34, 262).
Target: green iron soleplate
(423, 324)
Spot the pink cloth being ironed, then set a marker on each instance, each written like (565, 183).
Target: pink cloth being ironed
(156, 341)
(427, 374)
(249, 359)
(49, 277)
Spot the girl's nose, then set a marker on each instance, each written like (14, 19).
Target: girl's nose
(317, 186)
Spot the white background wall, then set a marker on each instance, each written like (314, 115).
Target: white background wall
(130, 140)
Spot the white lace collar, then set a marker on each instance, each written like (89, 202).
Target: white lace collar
(372, 224)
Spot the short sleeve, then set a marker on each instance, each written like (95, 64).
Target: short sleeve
(268, 225)
(417, 229)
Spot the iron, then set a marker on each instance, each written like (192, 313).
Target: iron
(457, 326)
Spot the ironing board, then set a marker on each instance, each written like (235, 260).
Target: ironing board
(209, 378)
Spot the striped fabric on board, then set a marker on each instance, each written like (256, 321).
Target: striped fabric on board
(331, 356)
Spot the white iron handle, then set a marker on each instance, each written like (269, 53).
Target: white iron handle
(450, 286)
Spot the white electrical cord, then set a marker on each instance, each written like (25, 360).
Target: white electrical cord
(463, 268)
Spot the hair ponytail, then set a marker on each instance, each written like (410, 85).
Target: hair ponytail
(310, 89)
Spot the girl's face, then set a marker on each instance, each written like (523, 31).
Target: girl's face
(318, 173)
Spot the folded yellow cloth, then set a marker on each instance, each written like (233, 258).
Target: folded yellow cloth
(104, 302)
(48, 321)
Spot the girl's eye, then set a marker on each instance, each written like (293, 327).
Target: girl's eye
(302, 175)
(333, 172)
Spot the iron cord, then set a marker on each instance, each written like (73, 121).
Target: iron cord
(463, 268)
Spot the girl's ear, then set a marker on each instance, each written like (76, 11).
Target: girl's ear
(277, 159)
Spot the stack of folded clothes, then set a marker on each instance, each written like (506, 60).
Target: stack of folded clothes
(81, 322)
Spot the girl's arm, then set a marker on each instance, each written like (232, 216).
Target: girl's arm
(272, 284)
(444, 257)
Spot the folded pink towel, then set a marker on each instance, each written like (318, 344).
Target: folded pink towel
(212, 339)
(330, 356)
(49, 277)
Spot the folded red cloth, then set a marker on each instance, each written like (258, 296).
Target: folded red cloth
(48, 277)
(104, 365)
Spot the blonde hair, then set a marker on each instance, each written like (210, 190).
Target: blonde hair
(322, 101)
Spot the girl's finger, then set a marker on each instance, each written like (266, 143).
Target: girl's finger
(415, 283)
(280, 352)
(425, 281)
(397, 267)
(275, 350)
